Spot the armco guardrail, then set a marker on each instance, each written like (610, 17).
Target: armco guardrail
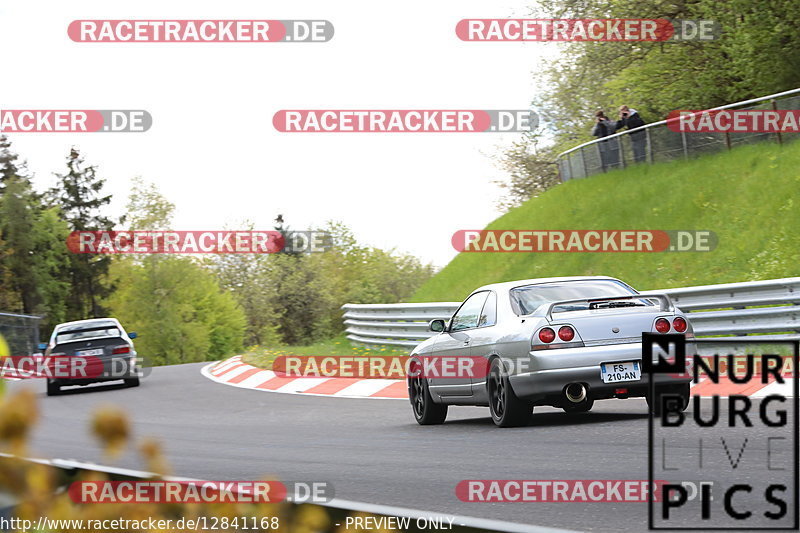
(769, 307)
(337, 509)
(659, 143)
(397, 324)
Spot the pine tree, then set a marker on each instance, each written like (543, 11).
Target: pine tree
(17, 218)
(9, 164)
(9, 296)
(16, 242)
(80, 199)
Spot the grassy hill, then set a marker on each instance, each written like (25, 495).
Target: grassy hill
(749, 196)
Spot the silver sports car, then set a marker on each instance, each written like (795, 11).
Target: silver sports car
(563, 342)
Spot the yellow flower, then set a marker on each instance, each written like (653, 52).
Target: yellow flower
(111, 426)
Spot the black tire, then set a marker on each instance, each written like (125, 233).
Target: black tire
(581, 407)
(132, 382)
(53, 388)
(426, 411)
(683, 390)
(506, 409)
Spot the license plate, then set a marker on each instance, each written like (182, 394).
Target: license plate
(619, 372)
(87, 353)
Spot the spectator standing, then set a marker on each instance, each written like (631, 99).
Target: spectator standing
(629, 118)
(608, 148)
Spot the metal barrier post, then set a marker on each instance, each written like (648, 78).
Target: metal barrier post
(778, 132)
(583, 160)
(685, 147)
(603, 166)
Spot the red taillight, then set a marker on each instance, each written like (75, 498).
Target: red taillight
(662, 325)
(547, 335)
(679, 324)
(566, 333)
(121, 350)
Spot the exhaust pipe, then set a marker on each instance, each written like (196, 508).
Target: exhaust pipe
(575, 392)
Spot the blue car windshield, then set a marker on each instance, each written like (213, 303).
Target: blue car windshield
(525, 300)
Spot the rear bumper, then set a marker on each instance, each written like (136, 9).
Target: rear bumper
(553, 370)
(113, 369)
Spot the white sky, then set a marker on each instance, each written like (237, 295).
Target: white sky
(212, 149)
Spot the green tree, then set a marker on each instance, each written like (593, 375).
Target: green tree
(177, 308)
(296, 298)
(9, 293)
(51, 267)
(147, 208)
(34, 260)
(9, 297)
(364, 274)
(79, 195)
(531, 170)
(10, 165)
(246, 277)
(18, 212)
(173, 302)
(301, 298)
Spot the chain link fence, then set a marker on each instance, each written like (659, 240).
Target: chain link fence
(655, 142)
(21, 333)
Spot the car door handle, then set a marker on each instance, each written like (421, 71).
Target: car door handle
(466, 343)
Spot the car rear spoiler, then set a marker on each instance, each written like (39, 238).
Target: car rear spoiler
(663, 299)
(82, 330)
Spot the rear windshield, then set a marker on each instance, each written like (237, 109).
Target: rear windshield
(525, 300)
(90, 330)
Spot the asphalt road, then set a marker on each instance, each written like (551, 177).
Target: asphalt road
(371, 450)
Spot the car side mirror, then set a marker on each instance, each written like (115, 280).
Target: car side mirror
(132, 335)
(42, 346)
(437, 325)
